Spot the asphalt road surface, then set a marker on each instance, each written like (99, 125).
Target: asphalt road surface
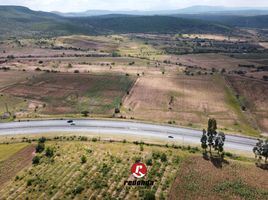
(187, 136)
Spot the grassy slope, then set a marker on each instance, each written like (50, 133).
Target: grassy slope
(243, 124)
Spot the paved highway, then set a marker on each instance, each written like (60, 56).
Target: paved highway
(121, 128)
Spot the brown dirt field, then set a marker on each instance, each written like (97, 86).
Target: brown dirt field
(85, 42)
(15, 163)
(195, 99)
(256, 94)
(198, 179)
(11, 77)
(65, 93)
(210, 61)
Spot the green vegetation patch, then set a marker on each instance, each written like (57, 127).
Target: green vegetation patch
(240, 189)
(94, 169)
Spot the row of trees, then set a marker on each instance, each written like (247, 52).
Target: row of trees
(213, 139)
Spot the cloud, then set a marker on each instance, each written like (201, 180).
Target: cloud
(82, 5)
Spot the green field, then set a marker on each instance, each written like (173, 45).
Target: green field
(102, 176)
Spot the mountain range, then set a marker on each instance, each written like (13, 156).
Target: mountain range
(245, 11)
(22, 22)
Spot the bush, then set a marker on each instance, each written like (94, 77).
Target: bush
(42, 140)
(40, 147)
(36, 160)
(49, 152)
(83, 159)
(149, 162)
(117, 110)
(149, 195)
(78, 190)
(163, 157)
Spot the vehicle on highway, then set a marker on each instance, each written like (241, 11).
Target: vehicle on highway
(72, 124)
(170, 137)
(70, 121)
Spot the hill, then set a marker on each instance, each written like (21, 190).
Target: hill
(21, 21)
(189, 10)
(148, 24)
(232, 20)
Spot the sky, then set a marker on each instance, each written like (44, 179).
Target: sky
(83, 5)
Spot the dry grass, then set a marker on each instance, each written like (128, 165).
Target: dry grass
(195, 99)
(210, 61)
(8, 78)
(254, 93)
(63, 93)
(200, 179)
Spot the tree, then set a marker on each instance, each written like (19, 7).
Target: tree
(261, 150)
(212, 139)
(219, 142)
(204, 140)
(211, 132)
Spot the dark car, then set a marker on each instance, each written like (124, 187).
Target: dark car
(70, 121)
(170, 137)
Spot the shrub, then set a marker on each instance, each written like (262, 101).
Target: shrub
(83, 159)
(40, 147)
(117, 110)
(78, 190)
(42, 140)
(36, 160)
(49, 152)
(149, 195)
(85, 113)
(163, 157)
(149, 162)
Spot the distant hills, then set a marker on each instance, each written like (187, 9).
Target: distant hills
(245, 11)
(21, 21)
(260, 21)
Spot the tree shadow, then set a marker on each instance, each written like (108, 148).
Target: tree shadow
(262, 166)
(216, 160)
